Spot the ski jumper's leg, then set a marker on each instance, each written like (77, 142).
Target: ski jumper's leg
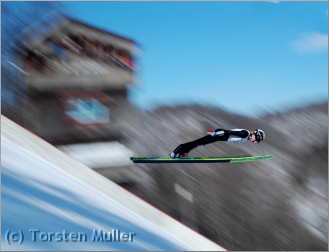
(187, 147)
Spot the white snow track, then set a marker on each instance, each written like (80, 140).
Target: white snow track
(52, 202)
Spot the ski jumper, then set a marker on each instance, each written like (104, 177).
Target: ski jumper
(233, 135)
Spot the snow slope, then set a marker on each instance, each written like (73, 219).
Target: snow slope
(52, 202)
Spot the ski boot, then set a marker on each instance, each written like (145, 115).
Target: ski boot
(180, 152)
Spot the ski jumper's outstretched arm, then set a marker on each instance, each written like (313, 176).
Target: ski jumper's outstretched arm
(233, 135)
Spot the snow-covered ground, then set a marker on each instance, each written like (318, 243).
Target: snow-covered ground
(52, 202)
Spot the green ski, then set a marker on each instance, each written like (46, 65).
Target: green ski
(238, 159)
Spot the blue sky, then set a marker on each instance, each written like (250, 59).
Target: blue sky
(244, 56)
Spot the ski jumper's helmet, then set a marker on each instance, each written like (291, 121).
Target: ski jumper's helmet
(260, 135)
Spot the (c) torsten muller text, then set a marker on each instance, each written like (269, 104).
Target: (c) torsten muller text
(115, 235)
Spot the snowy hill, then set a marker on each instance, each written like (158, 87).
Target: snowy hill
(52, 202)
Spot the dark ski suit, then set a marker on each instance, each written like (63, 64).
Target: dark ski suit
(233, 135)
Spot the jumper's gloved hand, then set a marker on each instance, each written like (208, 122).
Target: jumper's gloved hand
(217, 132)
